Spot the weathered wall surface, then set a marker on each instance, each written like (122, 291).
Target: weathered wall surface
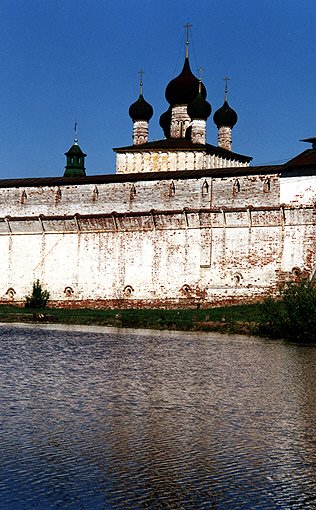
(163, 161)
(167, 258)
(249, 190)
(299, 190)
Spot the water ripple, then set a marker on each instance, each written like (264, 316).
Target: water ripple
(100, 419)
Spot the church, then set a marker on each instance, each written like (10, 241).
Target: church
(182, 223)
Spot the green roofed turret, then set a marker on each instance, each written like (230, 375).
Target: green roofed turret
(75, 160)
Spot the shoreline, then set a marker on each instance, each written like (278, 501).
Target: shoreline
(241, 320)
(238, 319)
(133, 332)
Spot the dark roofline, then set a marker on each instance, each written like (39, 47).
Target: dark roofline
(138, 177)
(176, 144)
(306, 159)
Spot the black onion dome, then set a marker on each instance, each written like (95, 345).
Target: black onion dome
(184, 88)
(165, 122)
(225, 116)
(199, 108)
(141, 110)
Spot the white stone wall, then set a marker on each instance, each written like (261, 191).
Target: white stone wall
(169, 242)
(162, 258)
(298, 190)
(158, 161)
(139, 196)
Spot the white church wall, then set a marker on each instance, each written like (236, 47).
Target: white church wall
(164, 160)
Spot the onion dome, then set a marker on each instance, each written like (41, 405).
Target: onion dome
(199, 108)
(225, 116)
(184, 88)
(165, 122)
(141, 110)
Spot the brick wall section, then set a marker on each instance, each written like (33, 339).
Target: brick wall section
(169, 259)
(157, 243)
(139, 196)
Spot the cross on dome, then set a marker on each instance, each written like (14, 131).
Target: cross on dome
(141, 73)
(226, 79)
(187, 27)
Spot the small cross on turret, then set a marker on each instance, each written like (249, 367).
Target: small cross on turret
(75, 159)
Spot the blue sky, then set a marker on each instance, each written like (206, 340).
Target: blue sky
(78, 60)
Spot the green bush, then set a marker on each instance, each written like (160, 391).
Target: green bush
(38, 298)
(294, 314)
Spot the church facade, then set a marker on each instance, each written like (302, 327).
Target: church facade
(181, 223)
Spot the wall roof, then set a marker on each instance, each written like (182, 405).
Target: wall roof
(178, 144)
(305, 159)
(139, 177)
(303, 164)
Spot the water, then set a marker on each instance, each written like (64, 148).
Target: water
(109, 419)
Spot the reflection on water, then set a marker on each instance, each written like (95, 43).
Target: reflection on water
(103, 419)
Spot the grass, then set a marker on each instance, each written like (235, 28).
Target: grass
(234, 319)
(292, 315)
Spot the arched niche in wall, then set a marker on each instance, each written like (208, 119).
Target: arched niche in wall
(266, 185)
(68, 291)
(172, 189)
(237, 279)
(205, 188)
(10, 293)
(128, 291)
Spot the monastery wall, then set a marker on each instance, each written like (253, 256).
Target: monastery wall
(298, 190)
(184, 258)
(167, 194)
(251, 190)
(156, 242)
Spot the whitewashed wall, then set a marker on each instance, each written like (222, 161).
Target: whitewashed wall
(175, 260)
(140, 196)
(298, 190)
(163, 161)
(204, 240)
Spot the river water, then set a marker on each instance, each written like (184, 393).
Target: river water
(117, 419)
